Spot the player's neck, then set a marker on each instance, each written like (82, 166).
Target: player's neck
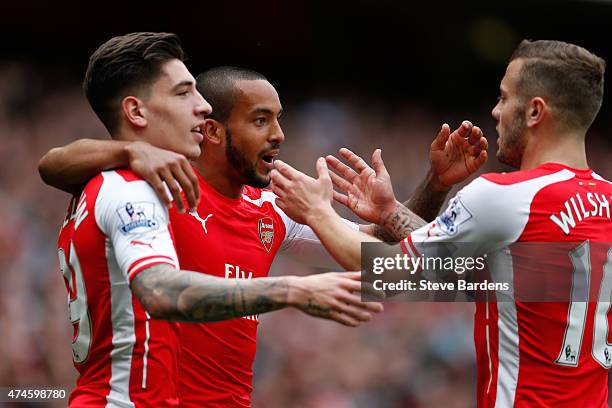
(567, 149)
(217, 175)
(127, 134)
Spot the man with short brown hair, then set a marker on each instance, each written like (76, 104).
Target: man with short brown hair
(529, 354)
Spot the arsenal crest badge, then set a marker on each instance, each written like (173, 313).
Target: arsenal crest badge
(266, 232)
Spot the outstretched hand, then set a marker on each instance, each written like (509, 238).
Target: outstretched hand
(301, 196)
(455, 156)
(333, 296)
(365, 190)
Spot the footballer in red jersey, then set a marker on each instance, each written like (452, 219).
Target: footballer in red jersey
(116, 246)
(117, 230)
(547, 354)
(113, 231)
(529, 353)
(242, 227)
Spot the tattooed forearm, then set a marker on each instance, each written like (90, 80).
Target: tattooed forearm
(400, 223)
(427, 200)
(380, 233)
(169, 294)
(396, 225)
(422, 208)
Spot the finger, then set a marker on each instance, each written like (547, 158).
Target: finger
(280, 203)
(484, 143)
(193, 179)
(353, 275)
(279, 182)
(377, 163)
(464, 130)
(344, 170)
(369, 294)
(373, 307)
(187, 186)
(440, 140)
(286, 170)
(350, 284)
(354, 312)
(334, 163)
(342, 319)
(341, 198)
(355, 300)
(475, 135)
(357, 162)
(322, 170)
(160, 189)
(474, 163)
(173, 186)
(277, 190)
(353, 283)
(339, 182)
(482, 158)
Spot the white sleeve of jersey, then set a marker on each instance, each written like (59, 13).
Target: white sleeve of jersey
(136, 224)
(302, 244)
(481, 218)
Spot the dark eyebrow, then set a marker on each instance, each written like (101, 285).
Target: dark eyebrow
(182, 84)
(265, 111)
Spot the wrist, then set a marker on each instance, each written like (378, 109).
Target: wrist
(433, 182)
(389, 213)
(129, 152)
(295, 294)
(319, 215)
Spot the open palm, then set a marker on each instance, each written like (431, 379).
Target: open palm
(366, 190)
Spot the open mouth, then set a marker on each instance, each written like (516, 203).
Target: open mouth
(268, 158)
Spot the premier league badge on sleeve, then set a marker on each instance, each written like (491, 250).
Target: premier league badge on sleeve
(266, 232)
(455, 215)
(137, 217)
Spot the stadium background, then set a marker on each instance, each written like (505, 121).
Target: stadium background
(361, 74)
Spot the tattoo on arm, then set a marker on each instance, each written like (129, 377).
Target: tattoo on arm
(170, 294)
(312, 308)
(380, 233)
(426, 201)
(422, 208)
(397, 225)
(401, 223)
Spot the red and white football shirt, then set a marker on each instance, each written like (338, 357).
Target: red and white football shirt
(114, 230)
(233, 239)
(536, 354)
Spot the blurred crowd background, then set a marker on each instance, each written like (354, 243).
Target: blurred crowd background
(363, 75)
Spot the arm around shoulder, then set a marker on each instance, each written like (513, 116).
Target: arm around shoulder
(69, 167)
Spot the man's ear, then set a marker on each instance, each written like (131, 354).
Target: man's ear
(537, 110)
(214, 131)
(134, 111)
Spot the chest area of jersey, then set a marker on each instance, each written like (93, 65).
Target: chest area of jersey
(235, 242)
